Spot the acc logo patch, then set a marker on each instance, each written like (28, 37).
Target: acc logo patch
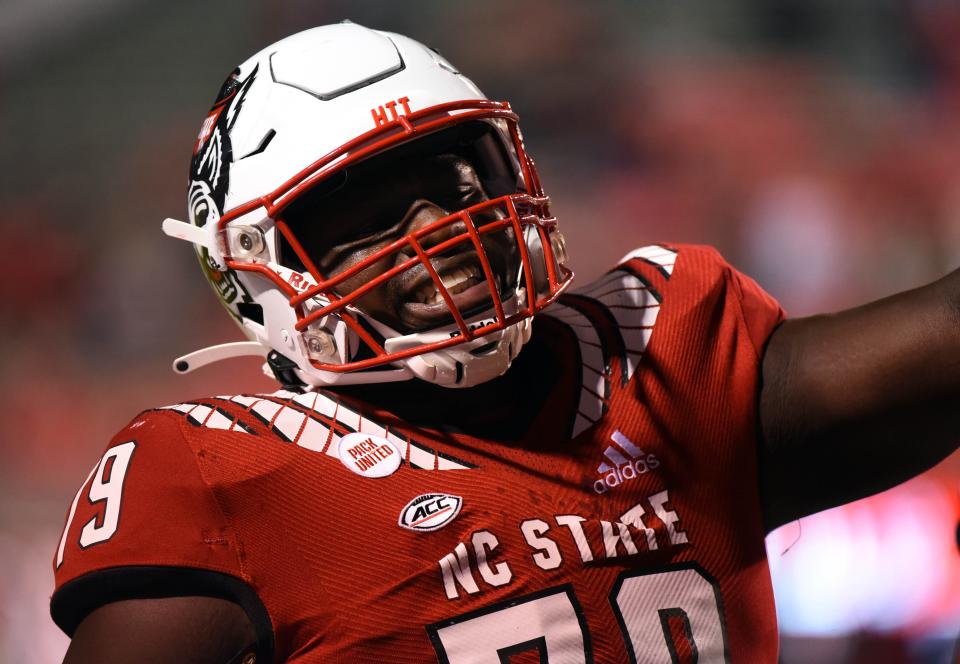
(430, 511)
(369, 456)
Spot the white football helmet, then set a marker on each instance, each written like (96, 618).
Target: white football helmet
(325, 120)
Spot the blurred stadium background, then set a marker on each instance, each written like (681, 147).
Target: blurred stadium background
(815, 143)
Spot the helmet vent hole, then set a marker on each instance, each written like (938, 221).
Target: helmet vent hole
(251, 311)
(262, 145)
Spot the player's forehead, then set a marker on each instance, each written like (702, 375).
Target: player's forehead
(463, 148)
(450, 152)
(419, 170)
(377, 192)
(383, 188)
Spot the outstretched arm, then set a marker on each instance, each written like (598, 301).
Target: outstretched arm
(856, 402)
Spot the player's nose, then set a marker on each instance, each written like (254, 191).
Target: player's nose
(427, 213)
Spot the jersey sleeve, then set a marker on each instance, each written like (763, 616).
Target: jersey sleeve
(761, 312)
(144, 525)
(705, 275)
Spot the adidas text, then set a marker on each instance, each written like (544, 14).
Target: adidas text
(628, 471)
(625, 461)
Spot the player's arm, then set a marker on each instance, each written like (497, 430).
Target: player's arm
(148, 564)
(856, 402)
(192, 630)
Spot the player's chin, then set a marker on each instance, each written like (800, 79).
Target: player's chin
(418, 316)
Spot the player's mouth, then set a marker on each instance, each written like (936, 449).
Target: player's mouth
(463, 278)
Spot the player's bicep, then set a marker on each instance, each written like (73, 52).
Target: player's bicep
(192, 630)
(145, 525)
(842, 393)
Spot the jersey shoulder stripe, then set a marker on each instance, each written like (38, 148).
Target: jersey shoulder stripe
(311, 420)
(211, 417)
(594, 366)
(630, 304)
(613, 320)
(659, 256)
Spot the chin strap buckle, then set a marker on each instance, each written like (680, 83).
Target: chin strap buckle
(284, 370)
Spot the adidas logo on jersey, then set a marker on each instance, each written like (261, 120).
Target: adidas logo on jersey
(625, 462)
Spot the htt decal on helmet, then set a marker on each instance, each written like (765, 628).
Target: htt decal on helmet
(210, 179)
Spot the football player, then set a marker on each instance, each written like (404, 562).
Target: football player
(440, 477)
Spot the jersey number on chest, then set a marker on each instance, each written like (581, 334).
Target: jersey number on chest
(672, 615)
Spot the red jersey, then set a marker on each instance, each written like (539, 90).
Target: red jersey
(621, 524)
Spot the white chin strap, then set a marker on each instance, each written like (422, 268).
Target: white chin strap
(204, 356)
(201, 358)
(458, 366)
(449, 368)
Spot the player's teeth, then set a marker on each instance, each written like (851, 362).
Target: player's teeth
(455, 278)
(424, 293)
(455, 281)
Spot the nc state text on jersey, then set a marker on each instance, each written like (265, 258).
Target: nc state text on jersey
(636, 531)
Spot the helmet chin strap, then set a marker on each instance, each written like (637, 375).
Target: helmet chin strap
(201, 358)
(204, 356)
(181, 230)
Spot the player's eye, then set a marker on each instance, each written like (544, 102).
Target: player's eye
(372, 229)
(468, 190)
(367, 203)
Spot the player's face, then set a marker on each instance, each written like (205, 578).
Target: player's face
(390, 205)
